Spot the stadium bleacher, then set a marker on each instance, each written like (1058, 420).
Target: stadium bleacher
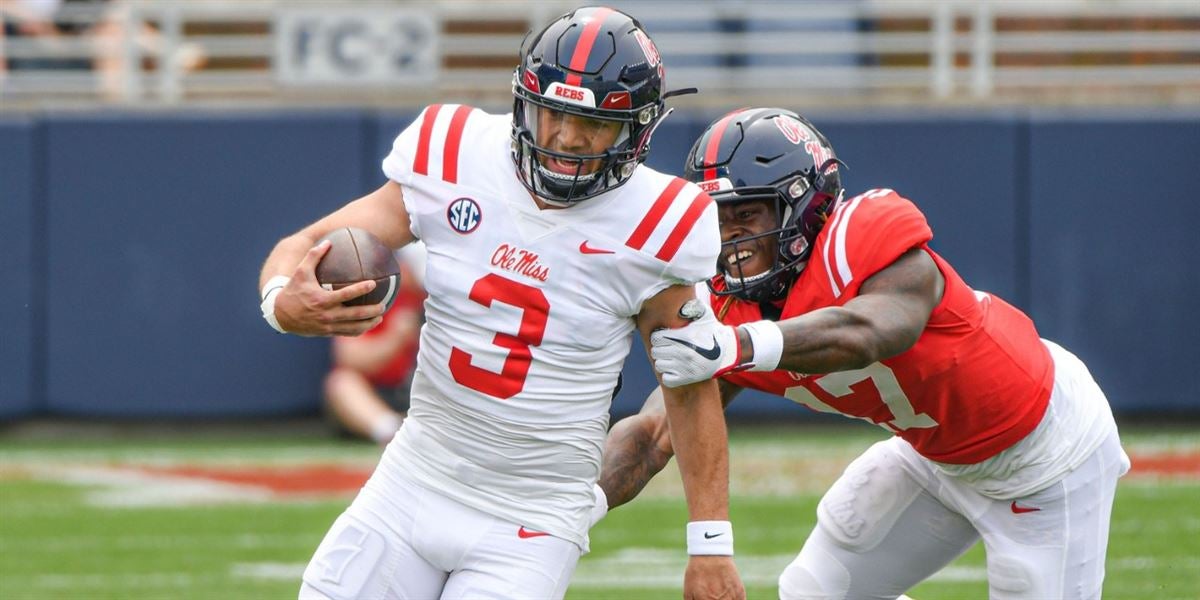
(895, 52)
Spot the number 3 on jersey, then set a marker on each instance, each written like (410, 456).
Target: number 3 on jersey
(534, 310)
(841, 385)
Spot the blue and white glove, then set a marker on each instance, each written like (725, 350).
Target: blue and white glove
(707, 348)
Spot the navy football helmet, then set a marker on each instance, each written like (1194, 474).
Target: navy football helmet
(598, 64)
(775, 155)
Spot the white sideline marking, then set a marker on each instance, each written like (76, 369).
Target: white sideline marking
(128, 580)
(655, 568)
(1141, 563)
(1152, 527)
(268, 570)
(652, 568)
(960, 574)
(193, 541)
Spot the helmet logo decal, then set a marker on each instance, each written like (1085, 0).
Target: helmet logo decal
(648, 48)
(716, 185)
(571, 94)
(531, 82)
(617, 100)
(821, 156)
(792, 129)
(464, 215)
(796, 132)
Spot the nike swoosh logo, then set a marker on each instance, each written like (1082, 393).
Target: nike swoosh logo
(526, 534)
(1022, 509)
(709, 536)
(586, 249)
(710, 353)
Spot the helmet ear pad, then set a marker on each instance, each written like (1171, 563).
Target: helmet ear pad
(594, 63)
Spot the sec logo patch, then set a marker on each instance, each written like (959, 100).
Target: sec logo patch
(464, 215)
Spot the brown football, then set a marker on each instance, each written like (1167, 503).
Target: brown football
(357, 255)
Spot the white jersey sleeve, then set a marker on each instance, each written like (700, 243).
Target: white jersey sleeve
(680, 229)
(432, 146)
(696, 260)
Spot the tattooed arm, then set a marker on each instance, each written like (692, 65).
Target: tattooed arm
(639, 446)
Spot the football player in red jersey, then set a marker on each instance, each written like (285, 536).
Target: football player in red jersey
(841, 305)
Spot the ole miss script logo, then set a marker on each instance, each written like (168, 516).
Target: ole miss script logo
(797, 132)
(464, 215)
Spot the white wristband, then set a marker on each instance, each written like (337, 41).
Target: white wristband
(710, 538)
(269, 292)
(767, 339)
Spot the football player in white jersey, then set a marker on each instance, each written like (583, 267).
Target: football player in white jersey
(548, 244)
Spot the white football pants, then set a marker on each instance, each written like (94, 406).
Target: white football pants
(888, 529)
(894, 518)
(417, 544)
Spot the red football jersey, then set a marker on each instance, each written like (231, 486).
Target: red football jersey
(978, 379)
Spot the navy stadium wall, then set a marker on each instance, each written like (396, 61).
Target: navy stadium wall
(21, 268)
(157, 229)
(1115, 257)
(132, 244)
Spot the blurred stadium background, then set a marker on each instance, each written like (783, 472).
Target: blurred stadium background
(159, 440)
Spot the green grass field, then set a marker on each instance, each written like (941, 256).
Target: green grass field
(143, 516)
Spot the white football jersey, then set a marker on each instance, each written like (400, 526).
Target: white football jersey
(529, 316)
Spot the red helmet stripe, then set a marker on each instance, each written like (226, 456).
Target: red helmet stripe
(639, 236)
(583, 47)
(421, 161)
(714, 144)
(458, 123)
(684, 227)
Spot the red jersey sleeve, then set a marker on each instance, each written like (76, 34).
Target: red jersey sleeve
(866, 234)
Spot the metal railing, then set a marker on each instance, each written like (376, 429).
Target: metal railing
(172, 52)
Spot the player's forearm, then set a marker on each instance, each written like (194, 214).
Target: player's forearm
(836, 339)
(698, 435)
(285, 256)
(637, 449)
(886, 318)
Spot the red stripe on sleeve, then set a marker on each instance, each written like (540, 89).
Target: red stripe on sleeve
(421, 162)
(639, 236)
(684, 227)
(584, 47)
(458, 124)
(714, 144)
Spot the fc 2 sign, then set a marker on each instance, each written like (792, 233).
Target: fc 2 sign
(378, 45)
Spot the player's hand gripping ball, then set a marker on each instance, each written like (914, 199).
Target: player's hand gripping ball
(357, 255)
